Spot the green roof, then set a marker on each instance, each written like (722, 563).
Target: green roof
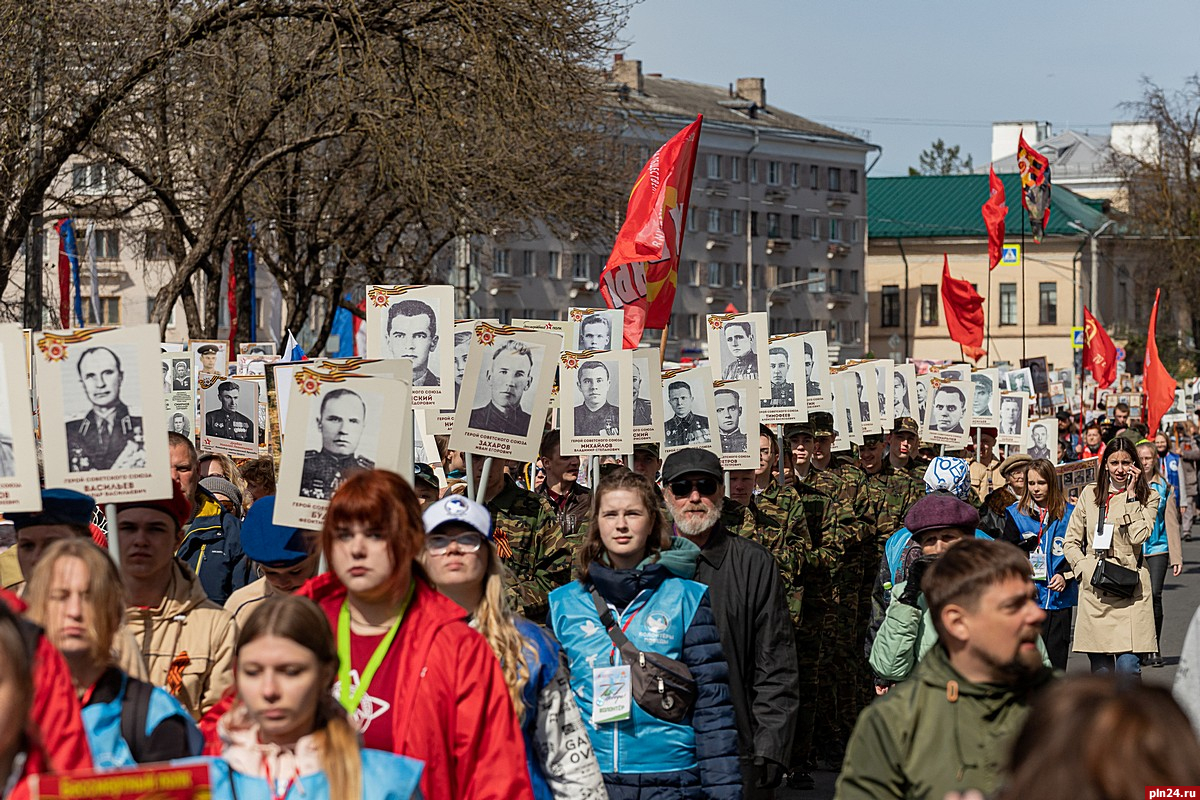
(940, 206)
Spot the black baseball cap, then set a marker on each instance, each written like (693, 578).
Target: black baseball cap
(691, 460)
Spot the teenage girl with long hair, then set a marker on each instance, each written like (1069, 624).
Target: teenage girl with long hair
(1164, 548)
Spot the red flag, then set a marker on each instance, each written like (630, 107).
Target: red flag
(1099, 352)
(964, 312)
(1035, 186)
(641, 272)
(1157, 383)
(64, 279)
(994, 211)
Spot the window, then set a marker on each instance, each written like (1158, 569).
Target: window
(737, 277)
(774, 173)
(835, 281)
(714, 166)
(814, 231)
(92, 178)
(795, 226)
(528, 268)
(1047, 304)
(853, 288)
(156, 246)
(854, 231)
(714, 273)
(692, 326)
(692, 272)
(835, 179)
(735, 221)
(555, 269)
(754, 223)
(692, 224)
(108, 244)
(773, 231)
(735, 169)
(929, 304)
(814, 177)
(714, 220)
(756, 276)
(853, 181)
(110, 311)
(581, 266)
(1008, 304)
(753, 170)
(502, 263)
(835, 230)
(816, 283)
(794, 173)
(889, 307)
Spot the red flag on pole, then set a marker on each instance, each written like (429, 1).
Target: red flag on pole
(64, 279)
(1035, 186)
(641, 272)
(1157, 383)
(232, 300)
(994, 211)
(1099, 352)
(964, 312)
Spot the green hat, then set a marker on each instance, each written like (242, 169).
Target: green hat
(822, 423)
(905, 425)
(873, 438)
(794, 428)
(648, 447)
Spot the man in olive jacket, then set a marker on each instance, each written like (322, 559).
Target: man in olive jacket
(949, 726)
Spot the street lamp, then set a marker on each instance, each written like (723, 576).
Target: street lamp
(1095, 253)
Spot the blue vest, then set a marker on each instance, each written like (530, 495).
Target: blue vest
(656, 622)
(1051, 541)
(102, 722)
(1157, 543)
(1169, 466)
(385, 776)
(541, 656)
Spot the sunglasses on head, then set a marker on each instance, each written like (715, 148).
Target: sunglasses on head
(682, 487)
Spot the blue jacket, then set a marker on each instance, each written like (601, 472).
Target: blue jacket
(644, 756)
(1168, 465)
(1050, 540)
(213, 548)
(893, 551)
(385, 776)
(102, 718)
(542, 657)
(1157, 543)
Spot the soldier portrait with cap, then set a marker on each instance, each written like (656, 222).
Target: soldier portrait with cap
(181, 375)
(340, 422)
(900, 401)
(594, 414)
(685, 427)
(108, 436)
(227, 422)
(207, 362)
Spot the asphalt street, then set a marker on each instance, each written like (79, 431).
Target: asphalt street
(1181, 598)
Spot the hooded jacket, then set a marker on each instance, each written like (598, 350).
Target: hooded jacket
(186, 642)
(451, 705)
(661, 612)
(212, 548)
(935, 734)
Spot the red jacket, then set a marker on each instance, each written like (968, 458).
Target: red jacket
(55, 717)
(452, 708)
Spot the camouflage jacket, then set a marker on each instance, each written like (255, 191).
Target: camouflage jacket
(533, 547)
(891, 493)
(776, 519)
(844, 484)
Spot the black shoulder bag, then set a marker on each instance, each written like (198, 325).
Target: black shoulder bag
(663, 687)
(1109, 576)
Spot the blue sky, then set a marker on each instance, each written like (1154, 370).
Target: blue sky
(912, 72)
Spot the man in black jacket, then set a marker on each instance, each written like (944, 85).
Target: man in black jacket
(752, 618)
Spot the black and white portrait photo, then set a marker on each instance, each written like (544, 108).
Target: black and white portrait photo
(903, 382)
(731, 428)
(815, 361)
(257, 349)
(884, 390)
(983, 398)
(643, 413)
(231, 417)
(107, 434)
(595, 332)
(18, 454)
(1038, 376)
(1041, 440)
(181, 374)
(336, 445)
(736, 416)
(411, 333)
(501, 405)
(178, 422)
(688, 403)
(1011, 427)
(1020, 380)
(595, 389)
(783, 389)
(737, 344)
(415, 323)
(646, 378)
(948, 413)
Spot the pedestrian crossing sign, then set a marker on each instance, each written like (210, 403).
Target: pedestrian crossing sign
(1010, 255)
(1077, 338)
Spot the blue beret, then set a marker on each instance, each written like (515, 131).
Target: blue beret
(59, 507)
(267, 543)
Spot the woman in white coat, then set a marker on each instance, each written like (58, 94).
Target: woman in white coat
(1112, 630)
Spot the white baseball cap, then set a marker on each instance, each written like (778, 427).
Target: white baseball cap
(456, 508)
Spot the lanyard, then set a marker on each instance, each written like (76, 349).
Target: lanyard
(271, 784)
(612, 653)
(348, 701)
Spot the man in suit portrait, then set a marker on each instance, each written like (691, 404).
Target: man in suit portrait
(412, 334)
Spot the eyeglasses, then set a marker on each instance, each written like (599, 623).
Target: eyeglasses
(467, 541)
(684, 488)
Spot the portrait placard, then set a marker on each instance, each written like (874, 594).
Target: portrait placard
(922, 391)
(847, 423)
(439, 421)
(593, 387)
(736, 412)
(1075, 476)
(782, 404)
(179, 397)
(506, 392)
(647, 396)
(228, 415)
(20, 489)
(257, 349)
(412, 323)
(1043, 440)
(688, 394)
(815, 358)
(864, 398)
(885, 389)
(209, 355)
(1038, 376)
(951, 372)
(104, 430)
(1020, 380)
(904, 390)
(947, 419)
(737, 347)
(255, 364)
(1014, 411)
(1058, 394)
(596, 329)
(985, 393)
(342, 419)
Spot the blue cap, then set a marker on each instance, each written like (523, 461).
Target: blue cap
(267, 543)
(456, 508)
(59, 507)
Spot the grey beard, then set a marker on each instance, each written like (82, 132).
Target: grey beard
(690, 527)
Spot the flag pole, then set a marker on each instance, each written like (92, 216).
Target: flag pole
(1024, 309)
(988, 320)
(662, 346)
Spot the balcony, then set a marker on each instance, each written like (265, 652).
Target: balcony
(778, 246)
(837, 199)
(716, 188)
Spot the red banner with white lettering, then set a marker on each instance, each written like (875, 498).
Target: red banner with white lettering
(641, 273)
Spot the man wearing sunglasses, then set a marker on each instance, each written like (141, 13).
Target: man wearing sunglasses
(751, 614)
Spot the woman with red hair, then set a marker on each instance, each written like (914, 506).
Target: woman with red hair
(413, 675)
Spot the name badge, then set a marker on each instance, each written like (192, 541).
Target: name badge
(1038, 559)
(1103, 540)
(612, 694)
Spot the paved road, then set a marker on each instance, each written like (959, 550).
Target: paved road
(1181, 598)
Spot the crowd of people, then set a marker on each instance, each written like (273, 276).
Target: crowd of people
(668, 630)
